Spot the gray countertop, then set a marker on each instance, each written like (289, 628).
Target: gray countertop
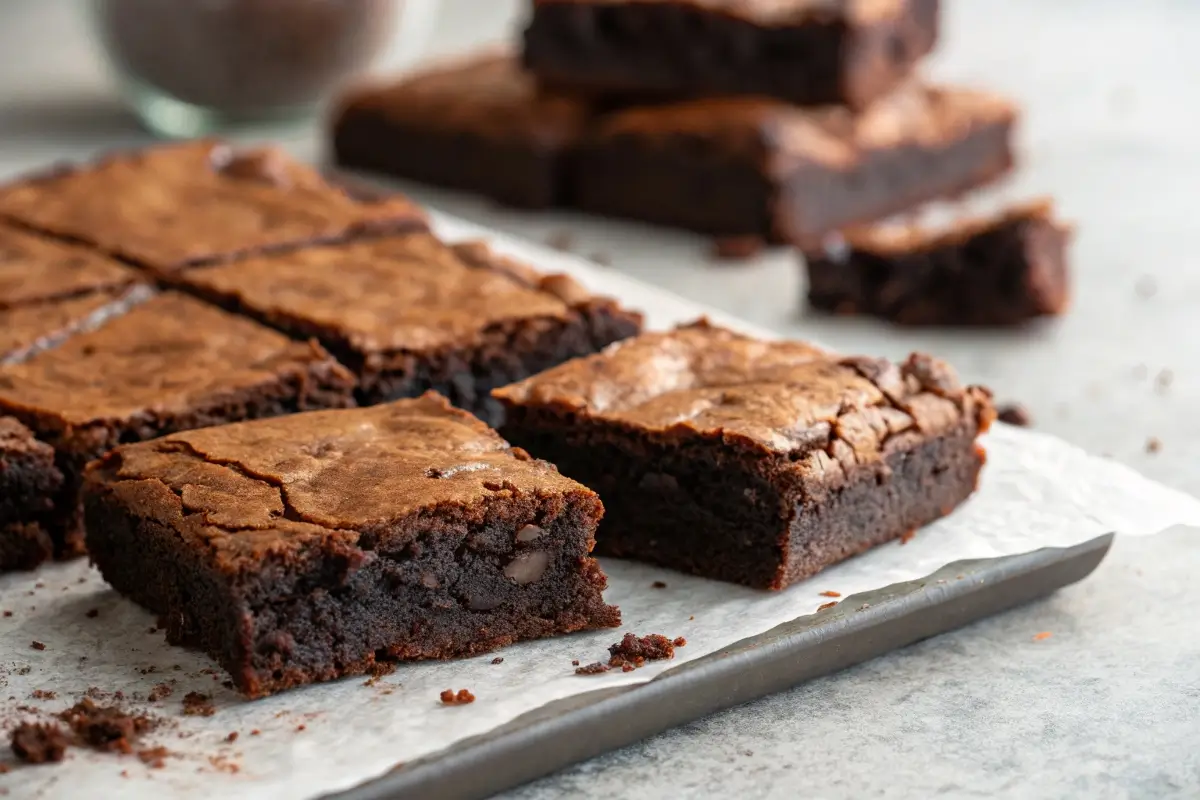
(1109, 706)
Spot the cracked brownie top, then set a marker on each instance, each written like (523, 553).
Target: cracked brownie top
(251, 489)
(35, 269)
(163, 358)
(776, 397)
(171, 206)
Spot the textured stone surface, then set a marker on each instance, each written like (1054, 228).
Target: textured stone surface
(1107, 706)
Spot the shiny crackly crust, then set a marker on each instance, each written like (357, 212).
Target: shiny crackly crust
(172, 206)
(37, 269)
(769, 397)
(247, 492)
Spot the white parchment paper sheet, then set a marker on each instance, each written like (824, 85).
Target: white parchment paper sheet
(1036, 492)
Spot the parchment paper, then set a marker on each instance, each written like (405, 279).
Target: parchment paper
(1036, 492)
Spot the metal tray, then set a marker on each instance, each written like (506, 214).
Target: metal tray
(859, 628)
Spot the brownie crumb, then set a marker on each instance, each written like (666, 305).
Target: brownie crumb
(8, 613)
(595, 668)
(562, 241)
(106, 728)
(232, 737)
(381, 668)
(1041, 637)
(830, 593)
(575, 662)
(36, 743)
(302, 726)
(256, 732)
(154, 757)
(197, 704)
(824, 606)
(1153, 444)
(737, 248)
(658, 585)
(160, 692)
(633, 651)
(498, 660)
(92, 613)
(36, 645)
(679, 641)
(908, 536)
(464, 696)
(152, 629)
(43, 694)
(1015, 414)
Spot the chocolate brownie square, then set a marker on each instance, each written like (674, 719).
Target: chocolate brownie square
(166, 364)
(314, 546)
(806, 52)
(36, 269)
(479, 124)
(408, 314)
(28, 329)
(1003, 269)
(757, 462)
(169, 207)
(29, 482)
(763, 168)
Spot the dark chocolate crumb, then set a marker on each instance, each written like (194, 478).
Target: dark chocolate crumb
(830, 593)
(737, 248)
(301, 727)
(824, 606)
(595, 668)
(106, 728)
(197, 704)
(498, 660)
(37, 743)
(1153, 444)
(154, 757)
(152, 629)
(232, 737)
(8, 613)
(461, 698)
(36, 645)
(575, 662)
(679, 641)
(636, 650)
(908, 536)
(160, 692)
(256, 732)
(658, 585)
(1015, 414)
(43, 694)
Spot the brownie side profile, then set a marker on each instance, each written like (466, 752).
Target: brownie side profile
(754, 167)
(1001, 270)
(36, 269)
(750, 461)
(480, 124)
(168, 207)
(314, 546)
(169, 363)
(408, 314)
(29, 482)
(807, 52)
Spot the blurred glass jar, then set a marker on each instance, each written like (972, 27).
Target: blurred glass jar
(192, 67)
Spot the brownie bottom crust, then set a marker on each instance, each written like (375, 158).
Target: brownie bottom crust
(464, 584)
(708, 514)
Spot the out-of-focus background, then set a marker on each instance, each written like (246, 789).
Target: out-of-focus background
(1110, 705)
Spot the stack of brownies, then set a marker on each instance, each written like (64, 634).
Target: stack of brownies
(261, 402)
(753, 121)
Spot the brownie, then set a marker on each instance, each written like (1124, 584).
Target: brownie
(1000, 270)
(27, 329)
(319, 545)
(756, 462)
(168, 207)
(166, 364)
(755, 167)
(35, 269)
(803, 51)
(408, 314)
(479, 124)
(29, 482)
